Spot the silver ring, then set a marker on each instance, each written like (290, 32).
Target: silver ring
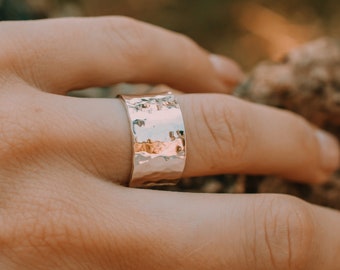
(158, 138)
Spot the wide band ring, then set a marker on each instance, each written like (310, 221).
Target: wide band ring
(158, 138)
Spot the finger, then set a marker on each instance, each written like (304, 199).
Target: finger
(63, 54)
(229, 135)
(91, 223)
(224, 135)
(234, 232)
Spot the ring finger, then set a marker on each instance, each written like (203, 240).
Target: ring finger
(224, 135)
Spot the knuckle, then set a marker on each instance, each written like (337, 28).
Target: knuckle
(286, 230)
(188, 49)
(302, 131)
(13, 60)
(227, 129)
(126, 27)
(307, 142)
(128, 35)
(305, 132)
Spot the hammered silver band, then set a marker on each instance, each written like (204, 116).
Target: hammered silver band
(158, 138)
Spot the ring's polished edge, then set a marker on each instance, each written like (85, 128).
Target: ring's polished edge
(158, 134)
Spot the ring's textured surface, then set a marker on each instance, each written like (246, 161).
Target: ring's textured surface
(158, 133)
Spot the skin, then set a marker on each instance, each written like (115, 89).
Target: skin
(64, 161)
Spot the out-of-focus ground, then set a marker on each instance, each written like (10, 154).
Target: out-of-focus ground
(248, 31)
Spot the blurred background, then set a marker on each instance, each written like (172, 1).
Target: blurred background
(246, 30)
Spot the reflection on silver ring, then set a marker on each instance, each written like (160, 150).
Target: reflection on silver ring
(158, 133)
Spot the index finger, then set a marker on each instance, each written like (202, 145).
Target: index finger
(64, 54)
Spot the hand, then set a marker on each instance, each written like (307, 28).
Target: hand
(62, 158)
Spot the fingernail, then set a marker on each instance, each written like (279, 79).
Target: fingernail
(329, 149)
(228, 71)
